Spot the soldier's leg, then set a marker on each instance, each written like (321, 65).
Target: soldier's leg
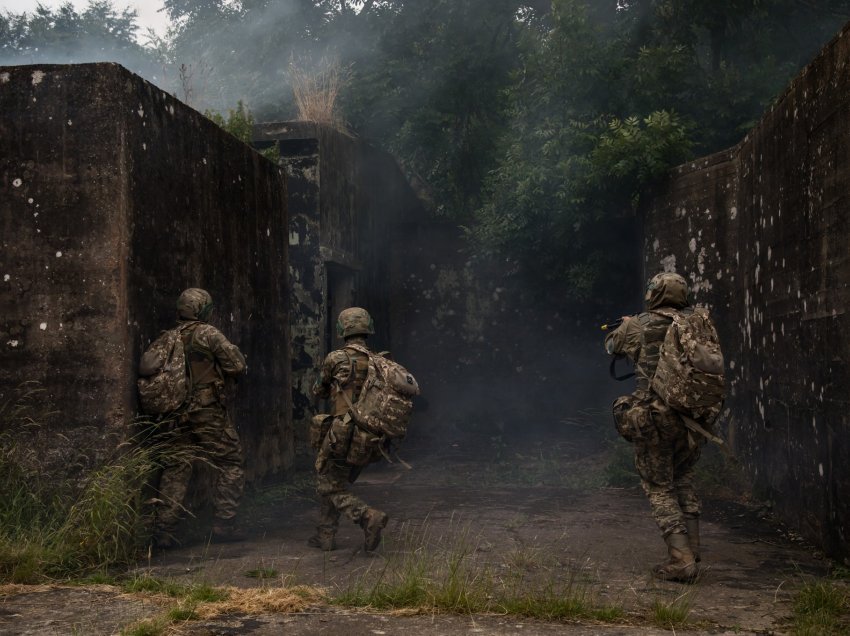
(325, 537)
(656, 461)
(332, 486)
(221, 447)
(689, 502)
(173, 483)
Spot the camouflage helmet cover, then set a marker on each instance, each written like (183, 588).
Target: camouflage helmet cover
(666, 289)
(194, 304)
(354, 321)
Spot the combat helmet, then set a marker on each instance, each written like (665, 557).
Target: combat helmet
(666, 289)
(354, 321)
(194, 304)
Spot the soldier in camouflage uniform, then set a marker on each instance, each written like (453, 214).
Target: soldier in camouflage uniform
(203, 430)
(341, 379)
(665, 451)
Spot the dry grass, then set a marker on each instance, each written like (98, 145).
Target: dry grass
(281, 600)
(317, 90)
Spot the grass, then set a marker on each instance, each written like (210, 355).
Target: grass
(262, 573)
(821, 608)
(673, 614)
(54, 526)
(446, 574)
(202, 602)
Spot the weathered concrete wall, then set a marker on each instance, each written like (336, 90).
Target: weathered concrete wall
(762, 232)
(346, 201)
(114, 197)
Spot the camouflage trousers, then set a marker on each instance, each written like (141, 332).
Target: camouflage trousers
(203, 434)
(665, 456)
(332, 482)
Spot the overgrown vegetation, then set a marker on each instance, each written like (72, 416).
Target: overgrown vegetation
(58, 527)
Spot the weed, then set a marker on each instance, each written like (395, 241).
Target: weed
(317, 91)
(181, 613)
(444, 575)
(673, 614)
(151, 627)
(262, 573)
(822, 608)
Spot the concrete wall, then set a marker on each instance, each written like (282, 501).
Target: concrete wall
(762, 232)
(114, 197)
(347, 201)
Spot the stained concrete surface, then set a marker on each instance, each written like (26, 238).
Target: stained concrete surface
(599, 539)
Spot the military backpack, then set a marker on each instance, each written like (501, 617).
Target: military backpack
(386, 399)
(167, 388)
(689, 376)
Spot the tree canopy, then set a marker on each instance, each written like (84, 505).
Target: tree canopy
(536, 124)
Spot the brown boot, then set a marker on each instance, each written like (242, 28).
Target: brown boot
(372, 522)
(692, 524)
(323, 540)
(681, 565)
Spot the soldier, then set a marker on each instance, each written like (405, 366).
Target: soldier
(341, 379)
(202, 429)
(666, 451)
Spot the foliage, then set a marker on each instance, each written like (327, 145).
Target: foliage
(536, 124)
(100, 32)
(240, 123)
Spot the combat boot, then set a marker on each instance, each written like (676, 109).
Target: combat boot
(373, 522)
(681, 565)
(226, 531)
(692, 524)
(323, 540)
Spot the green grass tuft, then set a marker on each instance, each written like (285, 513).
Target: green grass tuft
(822, 608)
(673, 614)
(262, 573)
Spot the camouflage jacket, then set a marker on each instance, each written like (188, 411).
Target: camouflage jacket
(212, 357)
(639, 339)
(337, 373)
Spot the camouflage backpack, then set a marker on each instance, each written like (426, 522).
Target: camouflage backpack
(165, 390)
(689, 376)
(386, 399)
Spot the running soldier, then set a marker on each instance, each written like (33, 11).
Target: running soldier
(343, 446)
(202, 428)
(667, 442)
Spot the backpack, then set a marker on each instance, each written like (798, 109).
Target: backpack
(689, 376)
(386, 398)
(167, 389)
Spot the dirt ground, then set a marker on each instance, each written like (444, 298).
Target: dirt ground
(539, 515)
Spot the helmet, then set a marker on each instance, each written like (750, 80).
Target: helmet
(666, 289)
(194, 304)
(354, 321)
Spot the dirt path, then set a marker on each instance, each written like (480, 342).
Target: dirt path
(594, 542)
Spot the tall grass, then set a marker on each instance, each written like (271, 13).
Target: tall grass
(317, 91)
(822, 608)
(52, 526)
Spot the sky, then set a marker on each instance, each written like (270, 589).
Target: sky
(147, 10)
